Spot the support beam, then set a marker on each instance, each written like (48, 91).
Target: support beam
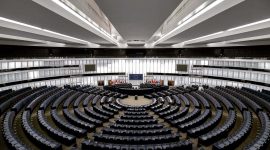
(15, 25)
(63, 10)
(213, 9)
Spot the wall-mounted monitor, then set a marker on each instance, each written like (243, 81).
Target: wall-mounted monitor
(135, 76)
(182, 67)
(89, 67)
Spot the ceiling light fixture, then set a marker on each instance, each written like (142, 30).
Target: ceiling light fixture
(186, 42)
(16, 25)
(200, 11)
(76, 12)
(249, 25)
(20, 38)
(254, 38)
(262, 24)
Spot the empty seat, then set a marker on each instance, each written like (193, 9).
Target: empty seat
(9, 134)
(96, 99)
(211, 99)
(169, 100)
(71, 98)
(193, 100)
(237, 137)
(60, 99)
(39, 139)
(262, 138)
(196, 112)
(207, 126)
(87, 100)
(177, 100)
(218, 133)
(195, 122)
(55, 133)
(203, 101)
(67, 126)
(79, 100)
(184, 98)
(77, 122)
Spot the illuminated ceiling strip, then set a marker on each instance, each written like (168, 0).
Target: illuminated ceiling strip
(86, 19)
(203, 6)
(262, 24)
(73, 16)
(182, 44)
(254, 38)
(19, 38)
(16, 25)
(262, 37)
(12, 37)
(250, 24)
(181, 24)
(222, 44)
(25, 39)
(211, 10)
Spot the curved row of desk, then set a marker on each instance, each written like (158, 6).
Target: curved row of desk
(86, 117)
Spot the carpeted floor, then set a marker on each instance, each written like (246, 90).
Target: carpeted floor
(131, 101)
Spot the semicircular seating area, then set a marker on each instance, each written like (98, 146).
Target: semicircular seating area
(88, 117)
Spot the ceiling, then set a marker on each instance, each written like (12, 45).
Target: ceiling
(241, 14)
(28, 12)
(137, 21)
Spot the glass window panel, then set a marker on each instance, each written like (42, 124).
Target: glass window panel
(224, 73)
(242, 75)
(261, 77)
(226, 63)
(267, 78)
(36, 64)
(214, 72)
(18, 77)
(5, 78)
(11, 77)
(236, 74)
(237, 64)
(30, 64)
(11, 65)
(4, 65)
(232, 63)
(18, 64)
(24, 64)
(219, 73)
(254, 76)
(109, 66)
(261, 65)
(248, 65)
(230, 74)
(267, 65)
(242, 64)
(31, 75)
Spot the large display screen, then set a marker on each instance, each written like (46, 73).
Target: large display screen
(135, 76)
(90, 67)
(182, 67)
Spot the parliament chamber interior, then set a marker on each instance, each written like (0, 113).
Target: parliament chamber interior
(134, 74)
